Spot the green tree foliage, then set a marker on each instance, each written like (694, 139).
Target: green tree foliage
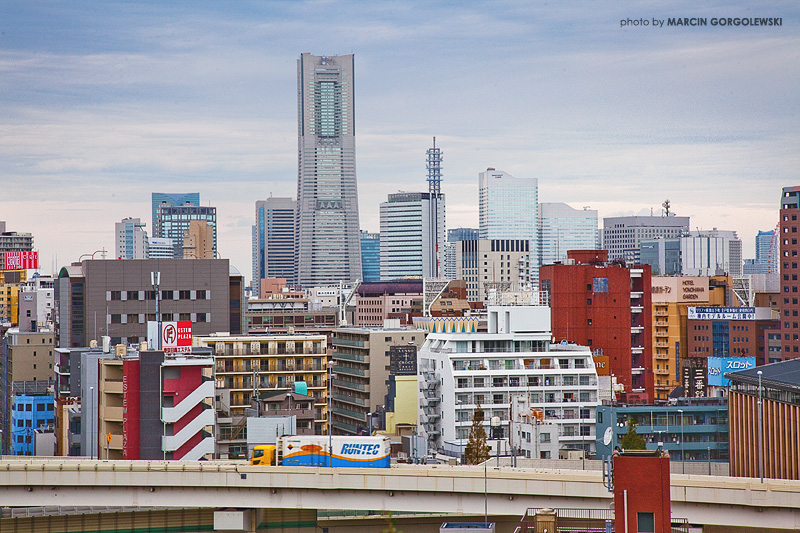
(632, 440)
(477, 451)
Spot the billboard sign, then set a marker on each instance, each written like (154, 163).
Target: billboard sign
(176, 336)
(722, 313)
(602, 365)
(673, 289)
(719, 366)
(21, 260)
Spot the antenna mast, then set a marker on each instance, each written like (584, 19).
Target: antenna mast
(434, 166)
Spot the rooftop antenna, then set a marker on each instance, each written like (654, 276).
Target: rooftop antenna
(434, 166)
(665, 205)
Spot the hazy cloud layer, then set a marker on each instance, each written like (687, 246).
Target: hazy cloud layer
(106, 102)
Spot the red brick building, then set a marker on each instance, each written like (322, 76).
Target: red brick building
(607, 307)
(789, 270)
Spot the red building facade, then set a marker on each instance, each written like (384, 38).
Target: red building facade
(789, 270)
(606, 306)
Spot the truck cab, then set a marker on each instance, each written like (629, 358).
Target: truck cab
(263, 454)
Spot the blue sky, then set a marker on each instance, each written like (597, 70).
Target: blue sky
(106, 102)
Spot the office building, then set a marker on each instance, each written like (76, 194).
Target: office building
(773, 411)
(36, 304)
(274, 241)
(26, 366)
(328, 244)
(460, 370)
(564, 228)
(492, 266)
(623, 235)
(29, 413)
(131, 239)
(605, 306)
(508, 208)
(172, 200)
(173, 222)
(370, 256)
(284, 312)
(691, 429)
(451, 247)
(117, 298)
(732, 249)
(671, 298)
(11, 241)
(198, 240)
(713, 253)
(789, 271)
(362, 368)
(766, 261)
(407, 235)
(730, 332)
(162, 412)
(382, 300)
(160, 248)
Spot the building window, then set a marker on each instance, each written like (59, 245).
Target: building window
(645, 523)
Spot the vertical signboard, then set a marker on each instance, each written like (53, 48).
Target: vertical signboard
(130, 409)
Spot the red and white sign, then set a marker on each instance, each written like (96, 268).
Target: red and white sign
(176, 337)
(21, 260)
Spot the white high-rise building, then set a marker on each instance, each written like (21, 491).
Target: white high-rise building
(732, 245)
(622, 235)
(564, 228)
(407, 247)
(131, 239)
(509, 209)
(328, 240)
(161, 248)
(460, 370)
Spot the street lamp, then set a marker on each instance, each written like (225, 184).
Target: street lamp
(760, 432)
(330, 415)
(91, 424)
(683, 457)
(580, 432)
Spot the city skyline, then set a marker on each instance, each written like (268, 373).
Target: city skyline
(105, 106)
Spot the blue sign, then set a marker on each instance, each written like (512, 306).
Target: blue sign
(719, 366)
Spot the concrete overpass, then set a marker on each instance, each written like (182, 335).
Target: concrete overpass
(710, 500)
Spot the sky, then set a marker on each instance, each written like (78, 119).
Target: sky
(104, 103)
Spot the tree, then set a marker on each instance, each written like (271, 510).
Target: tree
(477, 451)
(632, 440)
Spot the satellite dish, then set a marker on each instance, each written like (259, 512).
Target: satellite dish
(607, 436)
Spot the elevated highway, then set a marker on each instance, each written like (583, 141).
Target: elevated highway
(711, 500)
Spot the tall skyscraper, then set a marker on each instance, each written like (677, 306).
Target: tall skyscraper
(451, 248)
(790, 323)
(173, 222)
(564, 228)
(407, 240)
(274, 241)
(767, 250)
(173, 200)
(131, 239)
(622, 235)
(370, 256)
(328, 244)
(509, 209)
